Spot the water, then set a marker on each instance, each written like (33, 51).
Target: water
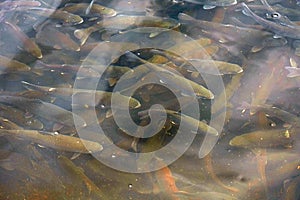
(147, 57)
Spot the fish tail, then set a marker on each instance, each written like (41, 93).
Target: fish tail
(185, 17)
(293, 72)
(246, 10)
(29, 86)
(82, 35)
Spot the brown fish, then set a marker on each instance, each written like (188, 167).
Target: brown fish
(27, 44)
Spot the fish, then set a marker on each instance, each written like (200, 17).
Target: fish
(264, 139)
(182, 47)
(274, 111)
(262, 9)
(123, 22)
(104, 49)
(94, 9)
(7, 124)
(34, 167)
(291, 12)
(21, 3)
(20, 117)
(86, 71)
(280, 30)
(11, 65)
(210, 170)
(27, 44)
(172, 80)
(213, 3)
(77, 176)
(276, 16)
(224, 34)
(65, 17)
(43, 109)
(172, 77)
(292, 71)
(55, 140)
(50, 36)
(215, 67)
(102, 98)
(174, 116)
(263, 91)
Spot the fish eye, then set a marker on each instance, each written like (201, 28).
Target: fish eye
(275, 15)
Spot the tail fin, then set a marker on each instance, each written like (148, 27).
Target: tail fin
(293, 71)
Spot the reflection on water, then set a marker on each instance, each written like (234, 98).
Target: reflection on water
(49, 47)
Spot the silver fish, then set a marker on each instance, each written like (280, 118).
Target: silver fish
(101, 97)
(55, 140)
(43, 109)
(213, 2)
(293, 71)
(278, 29)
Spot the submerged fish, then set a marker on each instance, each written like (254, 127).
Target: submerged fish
(55, 140)
(19, 117)
(77, 178)
(173, 78)
(50, 36)
(86, 96)
(123, 22)
(64, 16)
(94, 9)
(293, 71)
(274, 111)
(264, 139)
(27, 44)
(45, 110)
(276, 16)
(226, 34)
(215, 67)
(280, 30)
(21, 3)
(10, 65)
(174, 116)
(213, 3)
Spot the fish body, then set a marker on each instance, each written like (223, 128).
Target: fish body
(263, 139)
(278, 29)
(215, 67)
(274, 111)
(27, 44)
(123, 22)
(79, 178)
(10, 65)
(55, 140)
(19, 117)
(51, 37)
(189, 121)
(94, 9)
(213, 2)
(60, 15)
(224, 33)
(21, 3)
(45, 110)
(101, 97)
(293, 71)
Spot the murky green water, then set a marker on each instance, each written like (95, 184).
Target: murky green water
(227, 77)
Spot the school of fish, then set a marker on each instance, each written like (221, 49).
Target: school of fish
(62, 62)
